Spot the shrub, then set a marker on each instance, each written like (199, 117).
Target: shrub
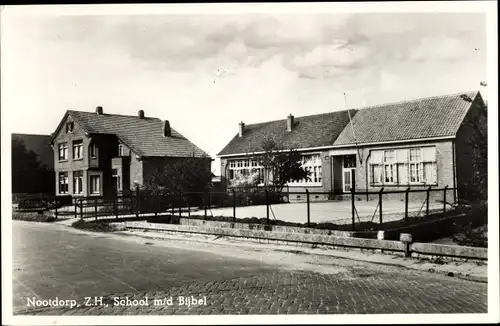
(32, 217)
(94, 226)
(473, 232)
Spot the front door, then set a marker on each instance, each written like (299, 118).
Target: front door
(349, 172)
(349, 179)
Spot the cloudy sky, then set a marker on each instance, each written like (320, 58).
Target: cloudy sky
(205, 73)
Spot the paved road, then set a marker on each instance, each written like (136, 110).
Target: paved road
(53, 261)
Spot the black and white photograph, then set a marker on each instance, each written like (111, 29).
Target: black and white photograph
(292, 163)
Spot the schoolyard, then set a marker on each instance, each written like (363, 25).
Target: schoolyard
(338, 212)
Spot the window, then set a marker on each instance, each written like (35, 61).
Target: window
(350, 161)
(63, 151)
(95, 184)
(93, 150)
(245, 167)
(63, 182)
(77, 149)
(116, 180)
(122, 150)
(415, 165)
(314, 165)
(389, 175)
(78, 182)
(406, 166)
(69, 127)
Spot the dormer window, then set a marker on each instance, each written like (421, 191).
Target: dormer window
(69, 127)
(121, 150)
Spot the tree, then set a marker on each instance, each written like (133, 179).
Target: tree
(479, 144)
(182, 175)
(28, 174)
(284, 165)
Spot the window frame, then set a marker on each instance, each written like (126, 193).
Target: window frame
(93, 151)
(78, 182)
(65, 179)
(63, 146)
(68, 129)
(77, 143)
(311, 162)
(93, 189)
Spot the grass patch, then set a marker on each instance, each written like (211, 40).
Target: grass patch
(94, 226)
(32, 217)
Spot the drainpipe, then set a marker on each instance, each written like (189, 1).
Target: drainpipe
(366, 169)
(225, 174)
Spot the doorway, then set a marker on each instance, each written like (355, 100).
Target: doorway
(349, 173)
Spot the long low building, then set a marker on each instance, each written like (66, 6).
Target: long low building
(417, 143)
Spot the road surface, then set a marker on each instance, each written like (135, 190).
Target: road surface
(53, 261)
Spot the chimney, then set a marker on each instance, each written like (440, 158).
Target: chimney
(141, 114)
(98, 110)
(166, 129)
(242, 128)
(289, 122)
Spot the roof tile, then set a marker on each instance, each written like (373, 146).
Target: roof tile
(143, 136)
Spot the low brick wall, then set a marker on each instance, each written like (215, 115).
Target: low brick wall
(448, 250)
(416, 249)
(262, 227)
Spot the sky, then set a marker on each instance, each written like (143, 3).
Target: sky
(206, 73)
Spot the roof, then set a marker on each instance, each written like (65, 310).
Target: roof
(430, 117)
(40, 145)
(142, 136)
(308, 131)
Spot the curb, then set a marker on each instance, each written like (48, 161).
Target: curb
(449, 273)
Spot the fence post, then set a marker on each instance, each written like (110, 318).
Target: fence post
(137, 202)
(189, 206)
(115, 206)
(308, 209)
(81, 209)
(353, 207)
(406, 202)
(180, 205)
(55, 202)
(444, 199)
(267, 206)
(380, 203)
(95, 206)
(76, 209)
(205, 203)
(427, 201)
(234, 205)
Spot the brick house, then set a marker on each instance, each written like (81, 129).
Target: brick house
(98, 154)
(418, 143)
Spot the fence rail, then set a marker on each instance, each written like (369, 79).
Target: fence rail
(141, 205)
(264, 200)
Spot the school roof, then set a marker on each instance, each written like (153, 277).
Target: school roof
(40, 145)
(308, 131)
(144, 136)
(431, 117)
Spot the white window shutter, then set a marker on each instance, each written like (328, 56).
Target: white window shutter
(429, 154)
(377, 157)
(402, 155)
(403, 173)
